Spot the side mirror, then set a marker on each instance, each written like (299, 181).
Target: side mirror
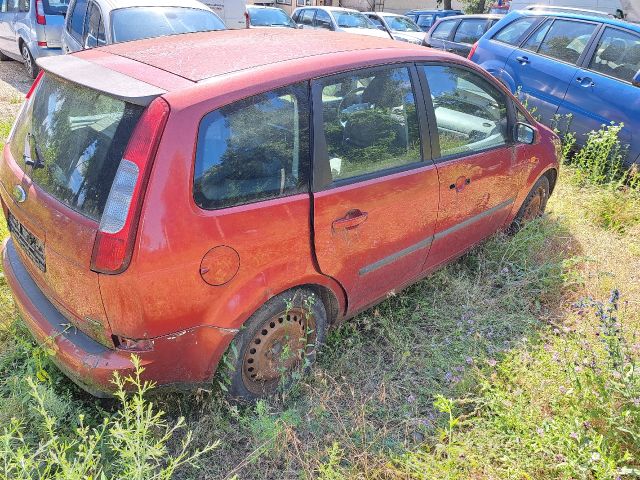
(525, 133)
(636, 79)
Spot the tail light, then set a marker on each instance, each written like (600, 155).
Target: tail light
(119, 223)
(40, 18)
(473, 50)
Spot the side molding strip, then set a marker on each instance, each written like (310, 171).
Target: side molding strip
(473, 219)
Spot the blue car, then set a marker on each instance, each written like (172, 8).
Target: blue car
(426, 18)
(564, 63)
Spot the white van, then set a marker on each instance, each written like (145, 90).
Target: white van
(610, 7)
(232, 12)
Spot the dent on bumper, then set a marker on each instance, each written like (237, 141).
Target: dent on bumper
(186, 357)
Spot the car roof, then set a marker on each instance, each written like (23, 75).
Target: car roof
(432, 11)
(116, 4)
(330, 9)
(577, 16)
(200, 56)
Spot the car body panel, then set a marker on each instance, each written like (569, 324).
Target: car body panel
(450, 44)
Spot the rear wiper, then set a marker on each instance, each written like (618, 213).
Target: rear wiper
(38, 163)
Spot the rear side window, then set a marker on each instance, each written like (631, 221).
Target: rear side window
(512, 33)
(307, 17)
(471, 114)
(94, 28)
(77, 18)
(566, 40)
(469, 31)
(78, 137)
(443, 29)
(534, 41)
(370, 122)
(617, 55)
(255, 149)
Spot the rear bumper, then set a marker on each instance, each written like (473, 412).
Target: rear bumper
(184, 358)
(41, 52)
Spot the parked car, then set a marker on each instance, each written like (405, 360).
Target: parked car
(593, 7)
(259, 16)
(458, 34)
(94, 23)
(30, 29)
(177, 200)
(232, 12)
(337, 19)
(567, 64)
(426, 18)
(397, 26)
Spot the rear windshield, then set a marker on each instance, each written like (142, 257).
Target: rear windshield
(147, 22)
(76, 138)
(55, 7)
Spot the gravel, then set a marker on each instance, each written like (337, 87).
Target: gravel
(14, 84)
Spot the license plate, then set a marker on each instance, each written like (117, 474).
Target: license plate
(30, 244)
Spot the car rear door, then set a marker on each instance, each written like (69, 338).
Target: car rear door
(479, 166)
(74, 26)
(375, 198)
(467, 33)
(601, 90)
(545, 64)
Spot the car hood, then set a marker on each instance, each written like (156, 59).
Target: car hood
(372, 32)
(413, 37)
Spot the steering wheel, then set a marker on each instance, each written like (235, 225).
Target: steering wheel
(342, 117)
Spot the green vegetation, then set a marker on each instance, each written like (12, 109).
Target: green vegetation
(517, 361)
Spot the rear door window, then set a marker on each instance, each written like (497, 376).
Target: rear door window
(76, 137)
(617, 54)
(370, 122)
(471, 114)
(94, 28)
(566, 40)
(534, 41)
(469, 31)
(512, 33)
(255, 149)
(79, 9)
(444, 29)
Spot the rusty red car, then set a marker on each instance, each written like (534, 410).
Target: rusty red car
(182, 197)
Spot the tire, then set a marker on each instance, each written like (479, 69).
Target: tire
(4, 58)
(29, 62)
(533, 206)
(276, 346)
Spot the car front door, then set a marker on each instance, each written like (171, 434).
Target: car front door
(546, 62)
(375, 199)
(478, 164)
(72, 36)
(601, 91)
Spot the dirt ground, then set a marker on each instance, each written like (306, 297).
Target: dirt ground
(14, 84)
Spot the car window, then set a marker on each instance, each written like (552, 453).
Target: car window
(3, 6)
(370, 122)
(94, 28)
(512, 33)
(55, 7)
(469, 31)
(617, 54)
(13, 5)
(566, 40)
(444, 29)
(471, 114)
(269, 17)
(77, 18)
(376, 21)
(534, 41)
(347, 19)
(425, 21)
(255, 149)
(307, 17)
(401, 24)
(323, 20)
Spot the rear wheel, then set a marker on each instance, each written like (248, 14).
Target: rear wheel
(29, 62)
(534, 205)
(277, 345)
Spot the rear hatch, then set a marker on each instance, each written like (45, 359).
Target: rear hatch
(54, 13)
(58, 169)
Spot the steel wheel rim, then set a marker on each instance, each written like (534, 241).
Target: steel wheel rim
(278, 349)
(27, 58)
(534, 208)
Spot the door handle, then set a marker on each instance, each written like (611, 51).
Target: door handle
(352, 219)
(585, 82)
(523, 60)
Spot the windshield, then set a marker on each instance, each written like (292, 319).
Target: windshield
(401, 24)
(70, 140)
(55, 7)
(146, 22)
(269, 17)
(352, 20)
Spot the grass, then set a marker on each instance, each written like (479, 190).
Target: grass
(514, 362)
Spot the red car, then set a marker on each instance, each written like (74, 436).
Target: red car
(182, 197)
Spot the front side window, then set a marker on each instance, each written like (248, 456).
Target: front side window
(617, 55)
(444, 29)
(470, 31)
(347, 19)
(94, 29)
(512, 33)
(323, 20)
(401, 24)
(370, 122)
(77, 18)
(566, 40)
(471, 114)
(255, 149)
(307, 17)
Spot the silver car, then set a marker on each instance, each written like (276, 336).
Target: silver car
(30, 29)
(398, 26)
(92, 23)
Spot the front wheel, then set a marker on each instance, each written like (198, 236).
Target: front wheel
(276, 346)
(29, 62)
(534, 205)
